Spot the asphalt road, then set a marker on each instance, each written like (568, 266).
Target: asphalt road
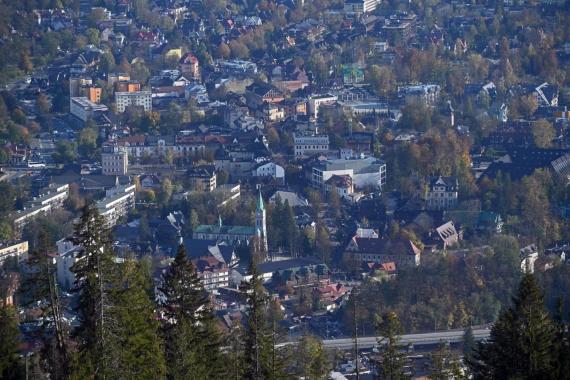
(454, 336)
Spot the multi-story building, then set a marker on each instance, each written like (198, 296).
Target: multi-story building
(402, 252)
(84, 109)
(360, 6)
(51, 199)
(367, 171)
(67, 255)
(212, 272)
(91, 92)
(113, 78)
(427, 93)
(442, 193)
(19, 250)
(189, 65)
(307, 144)
(137, 99)
(316, 101)
(114, 160)
(128, 86)
(117, 204)
(202, 177)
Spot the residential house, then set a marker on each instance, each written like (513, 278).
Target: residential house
(442, 193)
(202, 177)
(307, 143)
(189, 65)
(259, 93)
(402, 252)
(341, 184)
(114, 160)
(268, 169)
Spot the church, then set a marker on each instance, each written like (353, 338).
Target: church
(236, 234)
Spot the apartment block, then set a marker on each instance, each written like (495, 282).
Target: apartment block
(138, 99)
(307, 144)
(114, 160)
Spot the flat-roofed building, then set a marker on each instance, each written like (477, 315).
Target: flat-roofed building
(18, 250)
(52, 198)
(117, 204)
(316, 101)
(84, 109)
(137, 99)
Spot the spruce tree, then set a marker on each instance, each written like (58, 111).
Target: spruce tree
(562, 370)
(522, 342)
(10, 363)
(94, 277)
(40, 285)
(192, 344)
(260, 359)
(135, 339)
(445, 365)
(392, 359)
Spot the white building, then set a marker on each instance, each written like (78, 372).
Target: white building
(114, 161)
(14, 249)
(117, 203)
(442, 193)
(84, 109)
(67, 256)
(307, 144)
(268, 169)
(138, 99)
(316, 101)
(367, 171)
(43, 204)
(360, 6)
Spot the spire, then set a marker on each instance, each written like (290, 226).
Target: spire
(260, 205)
(219, 220)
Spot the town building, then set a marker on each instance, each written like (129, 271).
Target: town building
(236, 234)
(202, 177)
(18, 250)
(190, 66)
(340, 184)
(442, 193)
(360, 6)
(117, 204)
(213, 273)
(316, 101)
(307, 144)
(84, 109)
(268, 169)
(137, 99)
(426, 93)
(49, 200)
(367, 171)
(114, 160)
(402, 252)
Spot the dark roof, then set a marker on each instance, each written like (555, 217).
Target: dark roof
(524, 161)
(275, 266)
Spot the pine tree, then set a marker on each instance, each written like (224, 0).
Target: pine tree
(260, 359)
(522, 342)
(40, 285)
(192, 344)
(10, 363)
(562, 370)
(445, 365)
(468, 343)
(135, 339)
(392, 357)
(312, 360)
(94, 277)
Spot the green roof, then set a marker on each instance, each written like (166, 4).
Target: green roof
(260, 205)
(226, 230)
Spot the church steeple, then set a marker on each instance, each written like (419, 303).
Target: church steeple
(260, 221)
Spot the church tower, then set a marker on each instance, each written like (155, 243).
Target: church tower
(260, 222)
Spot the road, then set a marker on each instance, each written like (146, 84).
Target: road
(454, 336)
